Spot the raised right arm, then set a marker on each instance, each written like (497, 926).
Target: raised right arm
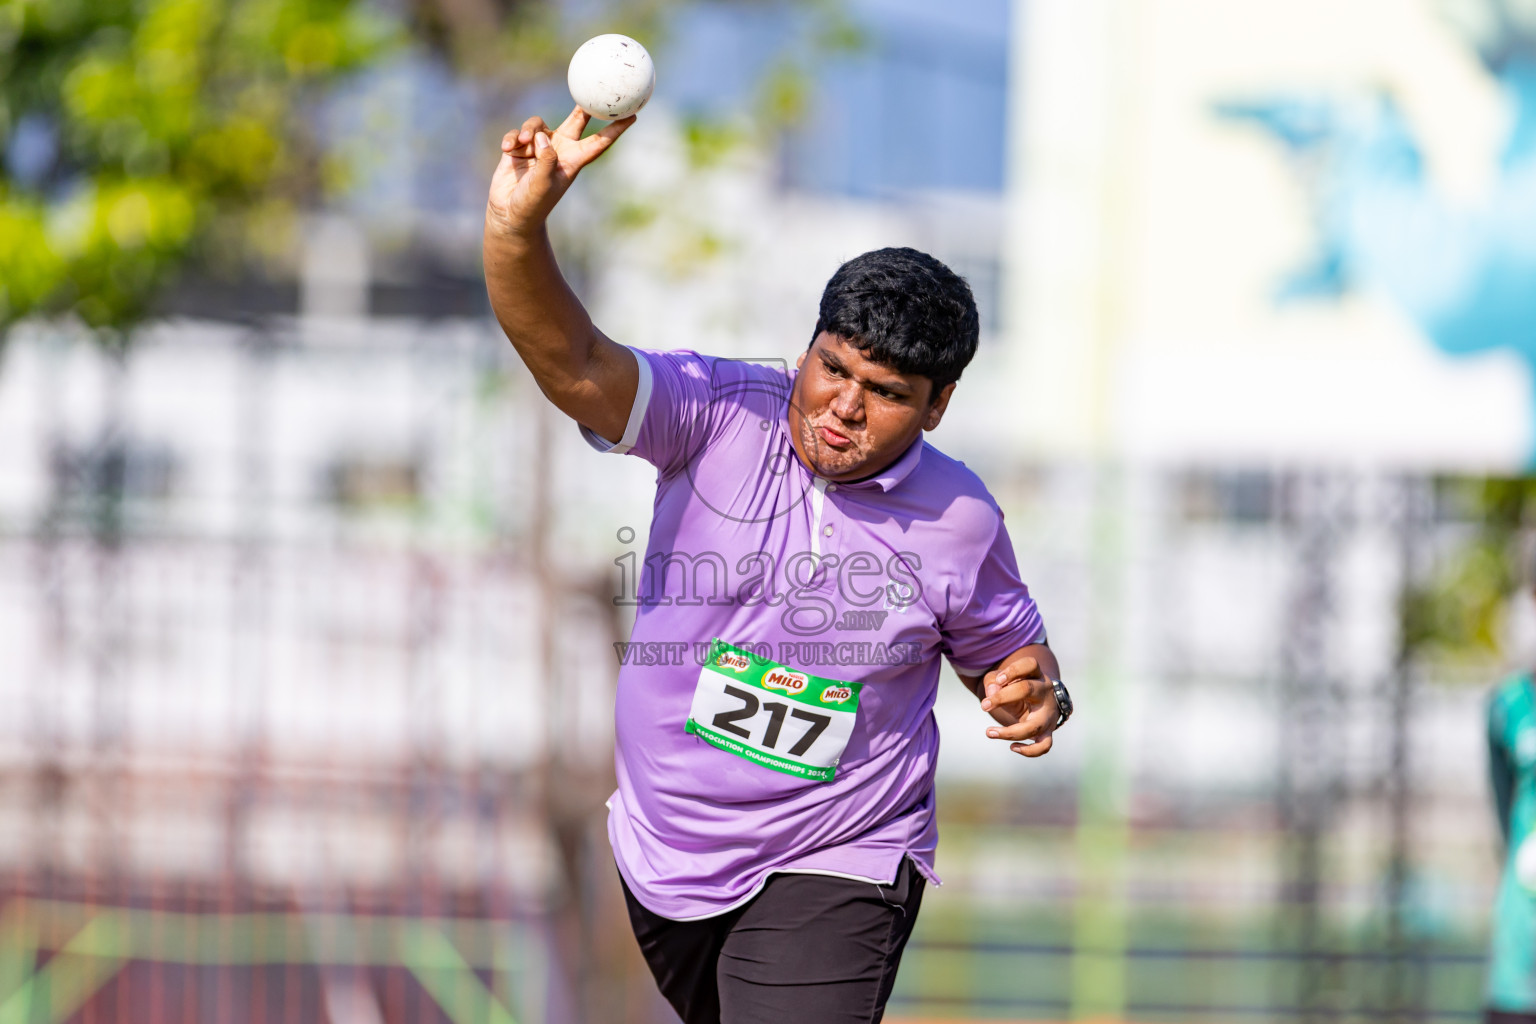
(587, 376)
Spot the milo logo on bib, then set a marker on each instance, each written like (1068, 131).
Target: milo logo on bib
(785, 681)
(772, 715)
(733, 661)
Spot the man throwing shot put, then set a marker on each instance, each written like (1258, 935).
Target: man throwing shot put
(811, 559)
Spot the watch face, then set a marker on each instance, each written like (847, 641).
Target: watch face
(1063, 700)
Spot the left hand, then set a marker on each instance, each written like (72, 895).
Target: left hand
(1021, 699)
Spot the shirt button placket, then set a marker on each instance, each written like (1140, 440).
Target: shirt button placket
(827, 528)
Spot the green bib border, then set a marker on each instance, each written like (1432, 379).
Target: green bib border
(778, 764)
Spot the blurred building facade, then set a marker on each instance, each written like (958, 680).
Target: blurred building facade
(309, 597)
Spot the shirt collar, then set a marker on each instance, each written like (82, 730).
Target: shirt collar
(895, 473)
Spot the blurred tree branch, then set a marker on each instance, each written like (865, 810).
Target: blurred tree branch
(143, 134)
(141, 137)
(1457, 615)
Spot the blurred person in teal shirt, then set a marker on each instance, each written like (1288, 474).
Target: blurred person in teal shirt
(1511, 991)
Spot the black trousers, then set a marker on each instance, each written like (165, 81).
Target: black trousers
(811, 949)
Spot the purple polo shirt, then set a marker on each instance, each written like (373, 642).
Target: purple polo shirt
(867, 582)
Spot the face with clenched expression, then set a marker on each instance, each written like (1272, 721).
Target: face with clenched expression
(851, 417)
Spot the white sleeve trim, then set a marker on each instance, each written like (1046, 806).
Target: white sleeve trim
(636, 415)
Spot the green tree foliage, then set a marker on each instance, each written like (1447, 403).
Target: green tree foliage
(1456, 616)
(141, 134)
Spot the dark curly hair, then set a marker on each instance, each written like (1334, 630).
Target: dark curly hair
(905, 309)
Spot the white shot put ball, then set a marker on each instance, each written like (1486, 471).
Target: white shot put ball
(611, 77)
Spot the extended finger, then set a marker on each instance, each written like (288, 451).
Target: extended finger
(574, 124)
(603, 138)
(594, 145)
(1035, 749)
(1018, 692)
(1020, 668)
(1039, 722)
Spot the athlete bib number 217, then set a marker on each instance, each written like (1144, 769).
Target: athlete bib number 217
(771, 714)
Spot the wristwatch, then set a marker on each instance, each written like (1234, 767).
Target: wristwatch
(1063, 702)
